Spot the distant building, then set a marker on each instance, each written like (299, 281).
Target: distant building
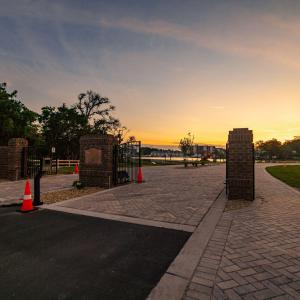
(204, 151)
(165, 153)
(157, 153)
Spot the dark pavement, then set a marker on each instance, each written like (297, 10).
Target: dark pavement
(54, 255)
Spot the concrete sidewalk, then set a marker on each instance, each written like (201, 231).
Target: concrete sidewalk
(254, 252)
(13, 191)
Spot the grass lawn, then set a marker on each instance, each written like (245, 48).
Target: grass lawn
(66, 170)
(287, 174)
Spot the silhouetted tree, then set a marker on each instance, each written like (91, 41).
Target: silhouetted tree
(186, 144)
(16, 120)
(97, 110)
(62, 128)
(132, 138)
(269, 149)
(119, 132)
(291, 149)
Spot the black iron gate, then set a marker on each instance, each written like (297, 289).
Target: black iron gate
(35, 163)
(126, 162)
(38, 160)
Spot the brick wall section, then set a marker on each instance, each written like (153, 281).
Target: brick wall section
(3, 162)
(240, 164)
(97, 174)
(15, 152)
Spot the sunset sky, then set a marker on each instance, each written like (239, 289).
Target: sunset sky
(169, 66)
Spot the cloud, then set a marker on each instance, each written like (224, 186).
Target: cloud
(248, 36)
(289, 26)
(49, 63)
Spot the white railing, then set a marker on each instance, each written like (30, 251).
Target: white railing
(65, 162)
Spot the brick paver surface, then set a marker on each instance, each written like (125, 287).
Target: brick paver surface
(13, 191)
(254, 252)
(170, 194)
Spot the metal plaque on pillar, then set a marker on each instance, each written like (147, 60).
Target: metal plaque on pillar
(93, 156)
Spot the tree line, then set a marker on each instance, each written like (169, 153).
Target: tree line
(274, 149)
(61, 126)
(264, 150)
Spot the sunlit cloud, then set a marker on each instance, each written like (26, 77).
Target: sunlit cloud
(166, 75)
(267, 44)
(288, 26)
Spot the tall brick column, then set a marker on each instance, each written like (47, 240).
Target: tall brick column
(96, 160)
(16, 148)
(240, 164)
(3, 162)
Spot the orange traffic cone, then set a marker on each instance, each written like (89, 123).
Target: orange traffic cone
(27, 201)
(140, 176)
(76, 171)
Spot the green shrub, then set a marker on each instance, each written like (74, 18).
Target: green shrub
(78, 185)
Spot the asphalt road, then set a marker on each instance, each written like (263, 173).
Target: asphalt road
(54, 255)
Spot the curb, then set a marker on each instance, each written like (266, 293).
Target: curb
(173, 283)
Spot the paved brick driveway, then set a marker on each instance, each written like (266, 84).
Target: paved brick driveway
(170, 194)
(254, 252)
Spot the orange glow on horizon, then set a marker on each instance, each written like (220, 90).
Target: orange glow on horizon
(221, 141)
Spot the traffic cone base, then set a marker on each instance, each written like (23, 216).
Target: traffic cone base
(27, 205)
(140, 176)
(76, 170)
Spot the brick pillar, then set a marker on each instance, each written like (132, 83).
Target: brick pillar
(240, 164)
(3, 161)
(16, 148)
(96, 160)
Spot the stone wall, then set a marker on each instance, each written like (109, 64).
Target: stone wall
(240, 164)
(3, 162)
(96, 160)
